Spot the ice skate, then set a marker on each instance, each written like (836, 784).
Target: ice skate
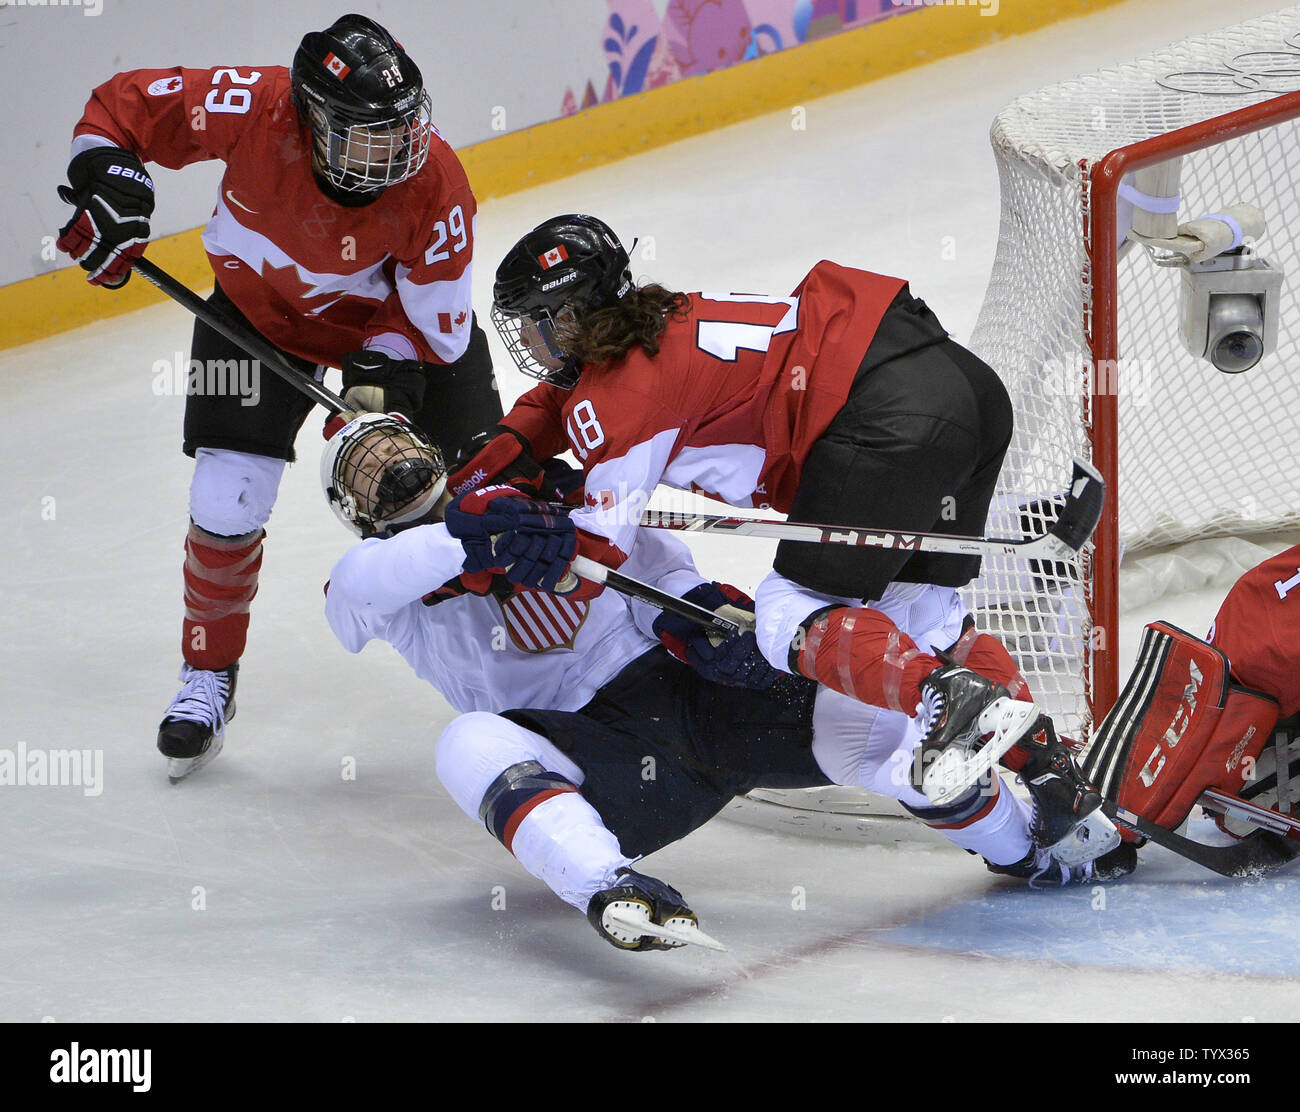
(969, 723)
(1066, 818)
(642, 913)
(1044, 870)
(194, 728)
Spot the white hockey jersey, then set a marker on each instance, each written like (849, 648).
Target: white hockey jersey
(482, 653)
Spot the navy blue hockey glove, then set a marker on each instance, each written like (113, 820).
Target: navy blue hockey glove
(504, 530)
(378, 383)
(733, 661)
(113, 196)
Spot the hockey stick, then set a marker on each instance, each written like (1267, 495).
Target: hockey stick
(643, 592)
(1062, 541)
(1263, 817)
(1258, 853)
(266, 353)
(255, 345)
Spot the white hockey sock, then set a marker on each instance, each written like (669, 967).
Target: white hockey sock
(563, 843)
(524, 788)
(999, 832)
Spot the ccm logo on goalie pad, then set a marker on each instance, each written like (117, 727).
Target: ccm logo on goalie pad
(1179, 726)
(1174, 734)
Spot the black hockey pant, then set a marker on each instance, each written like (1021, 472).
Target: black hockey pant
(917, 447)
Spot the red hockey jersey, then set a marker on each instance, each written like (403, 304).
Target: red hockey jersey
(316, 278)
(1258, 628)
(738, 393)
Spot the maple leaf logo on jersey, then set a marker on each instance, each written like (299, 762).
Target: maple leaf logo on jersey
(165, 85)
(553, 257)
(337, 66)
(460, 319)
(287, 282)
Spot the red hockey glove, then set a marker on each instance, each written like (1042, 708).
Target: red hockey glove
(734, 661)
(113, 195)
(496, 455)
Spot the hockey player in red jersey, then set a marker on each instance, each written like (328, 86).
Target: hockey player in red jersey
(566, 704)
(343, 233)
(843, 403)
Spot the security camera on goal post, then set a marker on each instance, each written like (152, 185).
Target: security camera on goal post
(1230, 295)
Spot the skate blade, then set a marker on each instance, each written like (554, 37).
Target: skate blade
(669, 932)
(1094, 837)
(178, 768)
(953, 773)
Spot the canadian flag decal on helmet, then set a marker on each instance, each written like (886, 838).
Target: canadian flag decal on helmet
(553, 257)
(337, 66)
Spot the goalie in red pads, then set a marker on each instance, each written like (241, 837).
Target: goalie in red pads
(1205, 722)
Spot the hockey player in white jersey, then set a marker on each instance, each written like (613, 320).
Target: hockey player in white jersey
(564, 702)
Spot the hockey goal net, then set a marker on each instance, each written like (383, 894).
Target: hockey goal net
(1084, 328)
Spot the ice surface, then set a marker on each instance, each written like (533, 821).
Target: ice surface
(276, 886)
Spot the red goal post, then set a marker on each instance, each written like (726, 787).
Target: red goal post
(1084, 329)
(1106, 177)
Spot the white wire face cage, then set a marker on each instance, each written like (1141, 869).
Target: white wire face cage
(363, 157)
(533, 346)
(379, 472)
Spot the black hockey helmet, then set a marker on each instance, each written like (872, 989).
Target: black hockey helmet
(565, 267)
(365, 104)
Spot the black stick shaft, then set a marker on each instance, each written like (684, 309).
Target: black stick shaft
(266, 353)
(634, 588)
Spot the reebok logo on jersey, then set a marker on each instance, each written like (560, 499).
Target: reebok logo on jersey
(553, 257)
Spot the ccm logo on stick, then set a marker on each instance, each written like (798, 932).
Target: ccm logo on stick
(860, 538)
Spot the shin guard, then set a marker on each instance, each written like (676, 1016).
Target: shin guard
(220, 584)
(514, 793)
(861, 653)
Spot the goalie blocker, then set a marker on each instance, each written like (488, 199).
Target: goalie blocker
(1181, 726)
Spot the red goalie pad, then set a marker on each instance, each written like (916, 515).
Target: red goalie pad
(1179, 726)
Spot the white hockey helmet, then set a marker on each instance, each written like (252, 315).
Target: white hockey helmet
(378, 472)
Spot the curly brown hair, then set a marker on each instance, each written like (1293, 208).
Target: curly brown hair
(639, 318)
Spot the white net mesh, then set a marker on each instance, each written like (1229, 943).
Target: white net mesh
(1200, 453)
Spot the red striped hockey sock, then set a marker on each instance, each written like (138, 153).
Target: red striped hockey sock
(861, 653)
(220, 584)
